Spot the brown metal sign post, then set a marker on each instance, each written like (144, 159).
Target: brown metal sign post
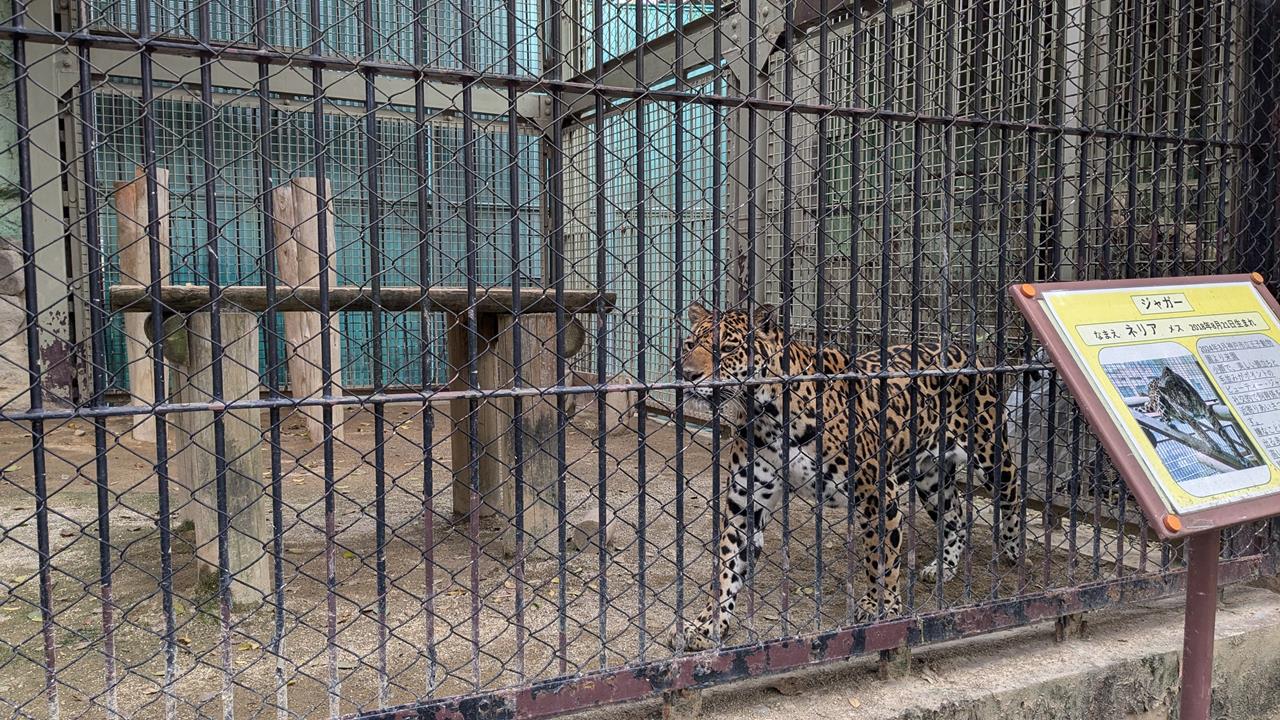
(1180, 380)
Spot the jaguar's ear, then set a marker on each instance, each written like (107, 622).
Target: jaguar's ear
(763, 316)
(698, 313)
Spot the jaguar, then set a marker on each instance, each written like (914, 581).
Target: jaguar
(833, 450)
(1173, 398)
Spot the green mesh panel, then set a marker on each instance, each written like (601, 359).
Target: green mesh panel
(410, 353)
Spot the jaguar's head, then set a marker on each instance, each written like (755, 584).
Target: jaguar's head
(725, 335)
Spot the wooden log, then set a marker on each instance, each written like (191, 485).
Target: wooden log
(246, 499)
(253, 298)
(135, 267)
(488, 426)
(537, 427)
(297, 235)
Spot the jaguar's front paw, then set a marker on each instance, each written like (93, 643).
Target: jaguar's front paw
(929, 573)
(695, 638)
(869, 606)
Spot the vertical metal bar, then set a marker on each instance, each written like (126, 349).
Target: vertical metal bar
(1202, 148)
(1110, 121)
(1137, 46)
(919, 21)
(1224, 133)
(1032, 251)
(275, 361)
(678, 237)
(886, 280)
(1030, 261)
(979, 172)
(213, 234)
(642, 346)
(819, 311)
(373, 200)
(98, 371)
(602, 324)
(468, 28)
(34, 372)
(554, 69)
(1182, 81)
(425, 351)
(720, 80)
(1159, 127)
(853, 204)
(1073, 497)
(1002, 234)
(148, 122)
(319, 151)
(1099, 467)
(944, 280)
(1083, 256)
(1056, 18)
(753, 209)
(1136, 61)
(787, 287)
(517, 338)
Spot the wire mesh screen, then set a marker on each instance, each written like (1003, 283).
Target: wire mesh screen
(490, 359)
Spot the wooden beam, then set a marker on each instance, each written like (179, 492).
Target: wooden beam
(253, 298)
(135, 265)
(248, 530)
(297, 236)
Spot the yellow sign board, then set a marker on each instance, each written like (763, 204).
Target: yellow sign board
(1190, 374)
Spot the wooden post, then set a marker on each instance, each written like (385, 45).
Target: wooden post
(488, 422)
(539, 469)
(246, 500)
(297, 236)
(135, 266)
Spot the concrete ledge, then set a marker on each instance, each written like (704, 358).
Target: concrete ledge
(1125, 667)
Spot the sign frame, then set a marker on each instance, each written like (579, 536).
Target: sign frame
(1167, 524)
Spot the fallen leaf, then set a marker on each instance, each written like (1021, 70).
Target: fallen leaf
(184, 641)
(67, 532)
(35, 616)
(855, 702)
(348, 554)
(248, 645)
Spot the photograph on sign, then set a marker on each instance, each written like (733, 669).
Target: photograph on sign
(1184, 419)
(1190, 374)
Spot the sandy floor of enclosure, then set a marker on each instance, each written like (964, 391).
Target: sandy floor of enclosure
(495, 648)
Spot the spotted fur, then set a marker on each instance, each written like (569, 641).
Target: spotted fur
(850, 411)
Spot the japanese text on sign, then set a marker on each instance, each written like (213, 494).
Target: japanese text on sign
(1119, 333)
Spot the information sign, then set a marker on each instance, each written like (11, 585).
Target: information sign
(1180, 378)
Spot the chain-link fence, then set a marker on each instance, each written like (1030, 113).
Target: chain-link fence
(383, 356)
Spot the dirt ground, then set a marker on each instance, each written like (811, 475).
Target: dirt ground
(453, 637)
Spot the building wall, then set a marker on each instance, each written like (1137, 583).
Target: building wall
(13, 341)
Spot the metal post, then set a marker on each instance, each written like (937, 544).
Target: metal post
(1197, 640)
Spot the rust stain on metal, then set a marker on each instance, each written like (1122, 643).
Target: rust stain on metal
(886, 636)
